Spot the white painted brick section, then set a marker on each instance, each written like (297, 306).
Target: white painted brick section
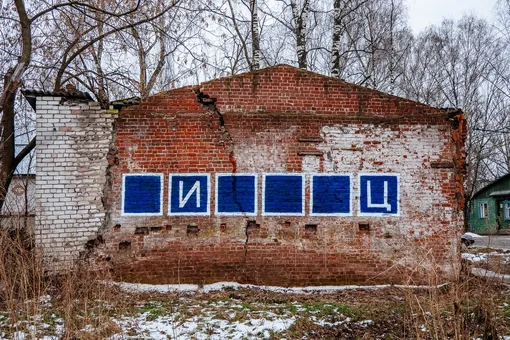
(73, 140)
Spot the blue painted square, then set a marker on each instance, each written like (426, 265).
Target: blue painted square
(189, 194)
(379, 194)
(283, 195)
(142, 194)
(236, 194)
(331, 194)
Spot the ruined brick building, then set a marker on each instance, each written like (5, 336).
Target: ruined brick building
(278, 176)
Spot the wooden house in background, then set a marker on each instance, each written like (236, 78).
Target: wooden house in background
(490, 208)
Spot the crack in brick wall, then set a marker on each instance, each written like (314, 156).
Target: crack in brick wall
(277, 120)
(236, 125)
(209, 104)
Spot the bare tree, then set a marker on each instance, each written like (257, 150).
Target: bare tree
(128, 63)
(233, 36)
(464, 65)
(376, 43)
(31, 63)
(307, 22)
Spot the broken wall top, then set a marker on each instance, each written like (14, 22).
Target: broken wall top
(283, 89)
(286, 89)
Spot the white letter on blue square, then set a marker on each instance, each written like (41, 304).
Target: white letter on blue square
(379, 194)
(283, 195)
(330, 195)
(142, 194)
(236, 194)
(188, 194)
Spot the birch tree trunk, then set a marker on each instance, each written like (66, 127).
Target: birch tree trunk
(255, 48)
(300, 27)
(337, 28)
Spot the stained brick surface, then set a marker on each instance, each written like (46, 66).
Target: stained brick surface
(284, 120)
(279, 120)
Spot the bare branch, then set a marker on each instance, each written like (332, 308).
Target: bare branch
(85, 5)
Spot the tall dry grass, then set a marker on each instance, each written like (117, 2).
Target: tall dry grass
(77, 295)
(464, 307)
(21, 277)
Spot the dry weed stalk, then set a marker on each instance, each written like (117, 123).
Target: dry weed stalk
(78, 294)
(21, 276)
(463, 309)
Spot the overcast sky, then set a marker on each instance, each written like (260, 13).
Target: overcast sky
(423, 13)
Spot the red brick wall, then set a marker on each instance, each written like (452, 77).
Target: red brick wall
(265, 114)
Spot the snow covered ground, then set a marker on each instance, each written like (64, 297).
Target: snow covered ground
(207, 325)
(227, 310)
(473, 235)
(186, 318)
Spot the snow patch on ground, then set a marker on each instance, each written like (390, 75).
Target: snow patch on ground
(479, 257)
(473, 235)
(331, 324)
(147, 288)
(480, 272)
(203, 326)
(475, 257)
(366, 323)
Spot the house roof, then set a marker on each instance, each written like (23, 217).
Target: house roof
(493, 183)
(69, 92)
(500, 193)
(297, 90)
(59, 93)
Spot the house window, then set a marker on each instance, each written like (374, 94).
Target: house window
(484, 210)
(506, 210)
